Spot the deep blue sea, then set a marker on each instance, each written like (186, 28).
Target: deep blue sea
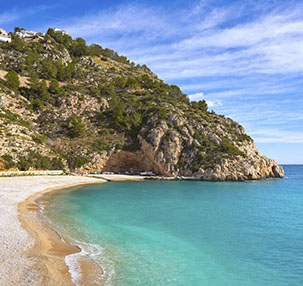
(188, 233)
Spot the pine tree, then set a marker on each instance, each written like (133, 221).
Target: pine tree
(12, 80)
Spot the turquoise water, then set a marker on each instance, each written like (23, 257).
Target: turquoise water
(186, 233)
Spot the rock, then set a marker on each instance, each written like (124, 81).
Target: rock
(104, 104)
(169, 135)
(2, 101)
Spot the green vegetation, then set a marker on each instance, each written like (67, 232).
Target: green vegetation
(33, 160)
(12, 80)
(85, 100)
(8, 116)
(230, 148)
(8, 159)
(201, 105)
(36, 161)
(76, 128)
(75, 161)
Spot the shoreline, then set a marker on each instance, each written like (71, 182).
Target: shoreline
(49, 246)
(23, 233)
(22, 229)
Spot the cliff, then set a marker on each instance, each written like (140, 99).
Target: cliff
(64, 104)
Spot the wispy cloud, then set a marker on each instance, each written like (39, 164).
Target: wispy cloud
(8, 17)
(201, 42)
(200, 95)
(196, 96)
(245, 58)
(214, 103)
(277, 136)
(130, 21)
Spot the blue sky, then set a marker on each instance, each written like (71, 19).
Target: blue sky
(244, 57)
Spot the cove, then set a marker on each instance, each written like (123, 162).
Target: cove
(188, 233)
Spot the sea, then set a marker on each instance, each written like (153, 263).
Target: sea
(186, 233)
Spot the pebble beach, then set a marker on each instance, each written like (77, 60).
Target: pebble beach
(17, 266)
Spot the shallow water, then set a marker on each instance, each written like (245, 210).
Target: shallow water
(185, 233)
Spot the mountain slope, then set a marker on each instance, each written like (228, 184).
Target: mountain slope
(86, 108)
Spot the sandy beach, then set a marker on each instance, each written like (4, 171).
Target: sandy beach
(31, 253)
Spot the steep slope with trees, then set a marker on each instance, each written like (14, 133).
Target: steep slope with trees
(86, 108)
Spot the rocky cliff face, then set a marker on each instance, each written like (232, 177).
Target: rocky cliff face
(176, 151)
(85, 108)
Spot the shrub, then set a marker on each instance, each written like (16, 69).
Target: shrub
(9, 163)
(100, 144)
(76, 127)
(200, 105)
(56, 164)
(230, 148)
(74, 161)
(195, 168)
(24, 164)
(12, 80)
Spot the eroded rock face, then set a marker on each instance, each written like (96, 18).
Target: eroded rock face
(171, 135)
(166, 147)
(96, 164)
(245, 169)
(177, 146)
(252, 166)
(135, 162)
(152, 158)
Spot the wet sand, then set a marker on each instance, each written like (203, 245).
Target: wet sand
(31, 252)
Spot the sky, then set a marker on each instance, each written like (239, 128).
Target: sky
(245, 58)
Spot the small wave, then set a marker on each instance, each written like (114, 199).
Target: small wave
(88, 251)
(92, 252)
(74, 268)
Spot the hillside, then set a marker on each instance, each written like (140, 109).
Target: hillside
(85, 108)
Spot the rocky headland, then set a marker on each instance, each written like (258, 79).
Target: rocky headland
(66, 105)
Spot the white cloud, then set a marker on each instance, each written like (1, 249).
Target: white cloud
(131, 22)
(277, 136)
(195, 43)
(8, 17)
(200, 95)
(214, 103)
(246, 35)
(196, 96)
(243, 59)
